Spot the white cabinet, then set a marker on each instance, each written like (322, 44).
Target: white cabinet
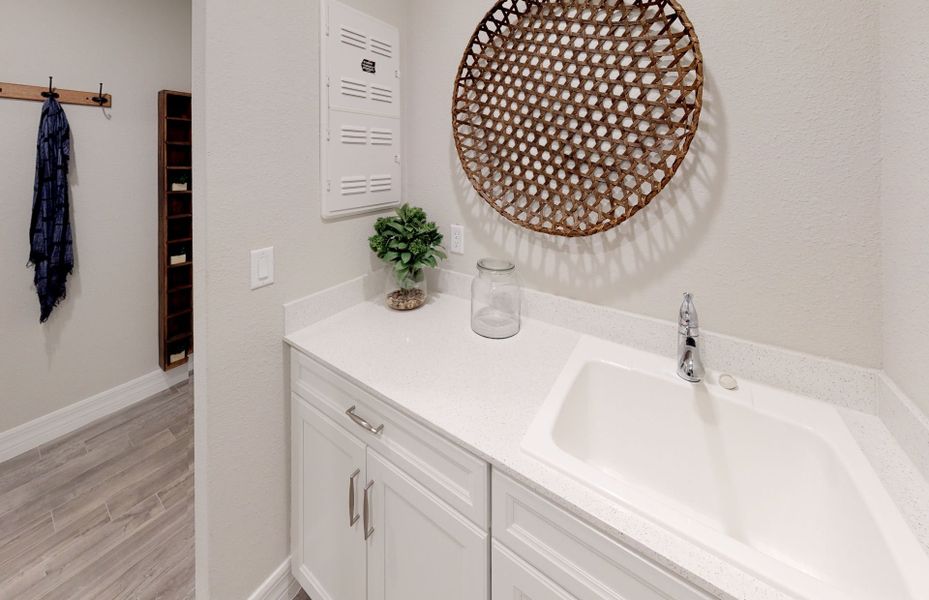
(385, 508)
(381, 508)
(419, 548)
(328, 469)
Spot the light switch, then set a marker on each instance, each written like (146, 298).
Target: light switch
(262, 267)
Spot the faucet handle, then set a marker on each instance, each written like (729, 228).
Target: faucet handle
(688, 317)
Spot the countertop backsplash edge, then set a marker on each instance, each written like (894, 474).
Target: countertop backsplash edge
(849, 386)
(842, 384)
(906, 422)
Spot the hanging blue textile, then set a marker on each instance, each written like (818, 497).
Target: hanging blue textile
(51, 251)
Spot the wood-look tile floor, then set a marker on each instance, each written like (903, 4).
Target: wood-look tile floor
(105, 512)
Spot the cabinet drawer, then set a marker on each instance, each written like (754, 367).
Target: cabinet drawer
(454, 475)
(586, 563)
(514, 579)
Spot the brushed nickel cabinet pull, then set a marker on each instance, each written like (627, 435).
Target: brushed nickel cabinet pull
(364, 424)
(369, 531)
(352, 515)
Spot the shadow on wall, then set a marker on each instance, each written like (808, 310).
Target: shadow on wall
(632, 255)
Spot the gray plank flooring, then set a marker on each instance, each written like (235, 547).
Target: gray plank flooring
(106, 512)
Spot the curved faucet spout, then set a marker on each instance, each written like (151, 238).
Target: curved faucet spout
(689, 363)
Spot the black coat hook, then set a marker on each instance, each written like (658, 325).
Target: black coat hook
(51, 90)
(100, 99)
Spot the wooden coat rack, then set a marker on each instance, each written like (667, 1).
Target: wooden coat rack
(38, 93)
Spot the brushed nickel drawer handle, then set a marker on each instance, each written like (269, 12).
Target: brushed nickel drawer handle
(352, 515)
(364, 424)
(369, 531)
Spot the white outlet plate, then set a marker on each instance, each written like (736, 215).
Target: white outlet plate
(456, 243)
(262, 267)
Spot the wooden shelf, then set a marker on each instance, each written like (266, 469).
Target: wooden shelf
(178, 363)
(175, 287)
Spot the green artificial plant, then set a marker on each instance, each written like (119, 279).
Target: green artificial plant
(409, 242)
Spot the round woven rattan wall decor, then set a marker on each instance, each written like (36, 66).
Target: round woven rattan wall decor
(570, 116)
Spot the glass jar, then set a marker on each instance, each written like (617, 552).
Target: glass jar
(495, 299)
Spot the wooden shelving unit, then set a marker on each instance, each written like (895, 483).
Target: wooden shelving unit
(175, 230)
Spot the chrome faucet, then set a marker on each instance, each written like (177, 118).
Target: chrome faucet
(689, 364)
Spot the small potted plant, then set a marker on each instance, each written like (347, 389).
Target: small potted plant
(180, 182)
(408, 243)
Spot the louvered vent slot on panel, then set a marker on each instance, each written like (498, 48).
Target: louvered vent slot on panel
(354, 135)
(381, 183)
(354, 185)
(382, 94)
(382, 137)
(385, 49)
(360, 82)
(353, 38)
(354, 88)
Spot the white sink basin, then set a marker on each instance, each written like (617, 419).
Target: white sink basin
(770, 481)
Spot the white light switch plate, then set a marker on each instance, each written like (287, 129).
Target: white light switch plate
(262, 267)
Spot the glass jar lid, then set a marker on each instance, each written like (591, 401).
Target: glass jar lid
(495, 265)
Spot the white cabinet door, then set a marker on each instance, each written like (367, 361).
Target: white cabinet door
(513, 579)
(328, 476)
(419, 548)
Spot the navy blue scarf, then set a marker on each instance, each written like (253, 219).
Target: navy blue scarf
(51, 251)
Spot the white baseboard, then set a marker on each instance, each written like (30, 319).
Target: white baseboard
(280, 585)
(71, 418)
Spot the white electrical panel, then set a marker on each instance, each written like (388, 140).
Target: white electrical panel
(360, 150)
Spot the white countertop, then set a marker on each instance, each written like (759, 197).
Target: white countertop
(484, 394)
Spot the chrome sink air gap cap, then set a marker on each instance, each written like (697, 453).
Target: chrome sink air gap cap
(728, 382)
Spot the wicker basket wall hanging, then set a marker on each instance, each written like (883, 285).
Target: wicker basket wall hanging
(570, 116)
